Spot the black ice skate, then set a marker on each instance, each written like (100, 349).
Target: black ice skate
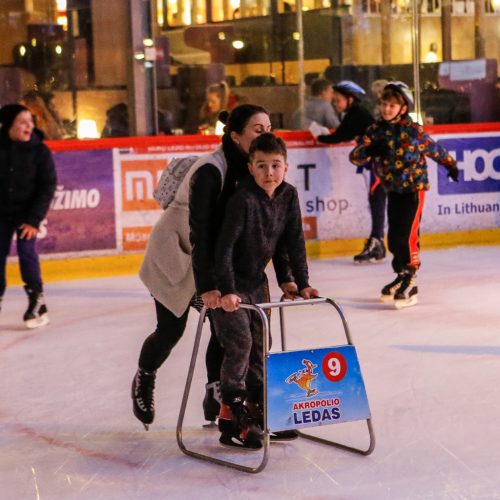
(257, 413)
(211, 401)
(373, 251)
(407, 293)
(36, 315)
(238, 429)
(387, 293)
(143, 401)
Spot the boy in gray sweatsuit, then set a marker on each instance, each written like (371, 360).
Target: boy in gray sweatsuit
(261, 217)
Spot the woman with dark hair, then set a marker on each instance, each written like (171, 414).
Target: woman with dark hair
(178, 267)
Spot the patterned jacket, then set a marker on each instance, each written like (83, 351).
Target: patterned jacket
(399, 150)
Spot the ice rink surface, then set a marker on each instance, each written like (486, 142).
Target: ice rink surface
(432, 374)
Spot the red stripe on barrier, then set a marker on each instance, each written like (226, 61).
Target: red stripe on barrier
(298, 138)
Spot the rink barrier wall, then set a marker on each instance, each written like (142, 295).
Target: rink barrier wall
(128, 264)
(103, 210)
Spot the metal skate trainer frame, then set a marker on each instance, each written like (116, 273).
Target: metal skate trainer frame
(260, 310)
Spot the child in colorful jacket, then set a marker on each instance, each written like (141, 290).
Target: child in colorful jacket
(399, 147)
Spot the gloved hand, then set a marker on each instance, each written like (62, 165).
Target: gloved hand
(453, 173)
(377, 149)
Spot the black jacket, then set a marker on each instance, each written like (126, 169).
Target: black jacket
(356, 120)
(207, 206)
(255, 229)
(207, 203)
(27, 180)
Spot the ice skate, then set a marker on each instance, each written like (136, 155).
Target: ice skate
(36, 315)
(143, 402)
(257, 413)
(407, 293)
(373, 251)
(238, 429)
(387, 293)
(211, 402)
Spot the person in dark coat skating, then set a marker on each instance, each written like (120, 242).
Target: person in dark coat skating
(27, 185)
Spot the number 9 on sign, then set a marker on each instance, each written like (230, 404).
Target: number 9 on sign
(334, 366)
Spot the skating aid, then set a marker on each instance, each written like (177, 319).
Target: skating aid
(354, 405)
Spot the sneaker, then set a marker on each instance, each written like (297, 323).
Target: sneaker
(407, 293)
(143, 402)
(36, 315)
(373, 251)
(211, 401)
(238, 429)
(387, 293)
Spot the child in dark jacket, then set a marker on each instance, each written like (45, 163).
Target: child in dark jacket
(400, 146)
(355, 120)
(27, 184)
(262, 215)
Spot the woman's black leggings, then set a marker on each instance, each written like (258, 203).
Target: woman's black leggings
(169, 330)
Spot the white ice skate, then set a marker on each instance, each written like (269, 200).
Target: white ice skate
(36, 315)
(387, 293)
(37, 321)
(407, 294)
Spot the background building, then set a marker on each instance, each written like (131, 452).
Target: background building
(91, 55)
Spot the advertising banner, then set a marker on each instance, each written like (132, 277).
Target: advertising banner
(315, 387)
(474, 201)
(136, 174)
(104, 198)
(82, 214)
(333, 196)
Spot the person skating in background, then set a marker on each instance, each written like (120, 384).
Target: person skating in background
(355, 120)
(27, 184)
(399, 147)
(262, 215)
(318, 107)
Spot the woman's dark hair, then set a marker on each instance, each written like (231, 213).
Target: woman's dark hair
(239, 117)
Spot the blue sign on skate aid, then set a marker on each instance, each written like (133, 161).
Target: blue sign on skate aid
(315, 387)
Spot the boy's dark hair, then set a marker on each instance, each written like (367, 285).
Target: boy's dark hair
(267, 143)
(319, 85)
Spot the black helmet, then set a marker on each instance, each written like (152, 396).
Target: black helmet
(402, 89)
(349, 89)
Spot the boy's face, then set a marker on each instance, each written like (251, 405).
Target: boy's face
(268, 170)
(390, 109)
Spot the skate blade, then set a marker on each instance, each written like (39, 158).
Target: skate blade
(401, 304)
(387, 298)
(283, 436)
(369, 261)
(210, 425)
(146, 426)
(229, 443)
(37, 322)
